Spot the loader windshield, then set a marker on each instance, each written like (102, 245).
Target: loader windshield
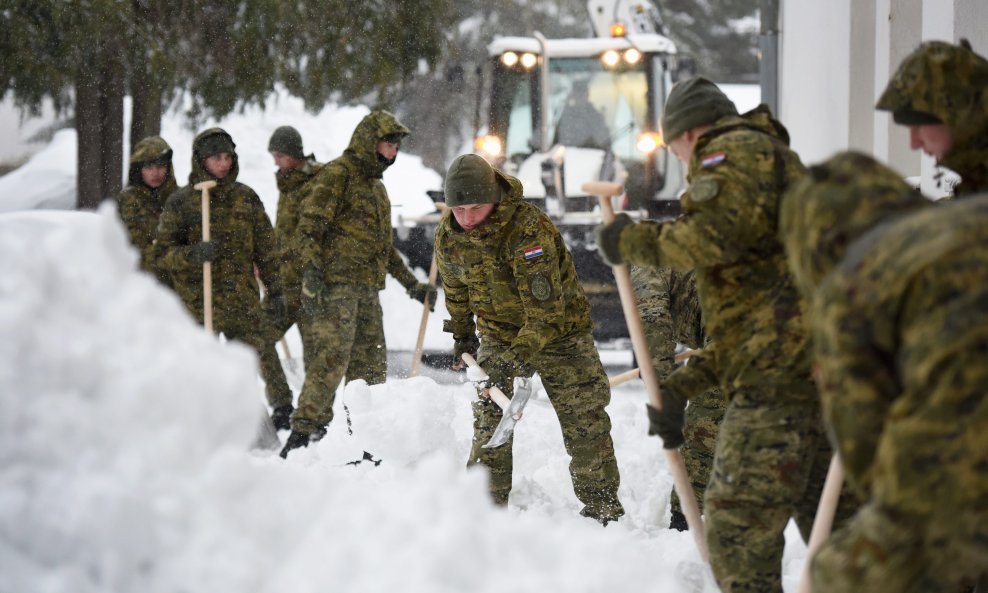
(590, 105)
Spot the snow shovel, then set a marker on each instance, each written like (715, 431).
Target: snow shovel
(207, 267)
(677, 466)
(824, 520)
(511, 408)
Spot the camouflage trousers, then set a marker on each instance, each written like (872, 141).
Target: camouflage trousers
(770, 463)
(343, 337)
(577, 386)
(881, 551)
(245, 322)
(703, 417)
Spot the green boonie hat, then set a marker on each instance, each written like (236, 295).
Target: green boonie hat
(213, 144)
(286, 140)
(472, 180)
(691, 103)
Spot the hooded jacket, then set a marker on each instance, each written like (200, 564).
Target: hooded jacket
(949, 82)
(512, 278)
(140, 205)
(344, 228)
(728, 234)
(901, 340)
(239, 227)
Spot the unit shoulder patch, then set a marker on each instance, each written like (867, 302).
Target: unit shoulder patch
(704, 189)
(713, 159)
(540, 287)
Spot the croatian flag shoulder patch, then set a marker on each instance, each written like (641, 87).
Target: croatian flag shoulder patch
(713, 159)
(533, 252)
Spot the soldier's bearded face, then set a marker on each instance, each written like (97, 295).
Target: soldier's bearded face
(153, 176)
(219, 165)
(472, 215)
(934, 139)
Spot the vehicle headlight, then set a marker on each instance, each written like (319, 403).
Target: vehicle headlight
(489, 146)
(649, 142)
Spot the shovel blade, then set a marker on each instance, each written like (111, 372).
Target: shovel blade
(267, 436)
(506, 427)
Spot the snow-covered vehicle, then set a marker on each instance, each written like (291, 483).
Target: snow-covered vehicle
(562, 112)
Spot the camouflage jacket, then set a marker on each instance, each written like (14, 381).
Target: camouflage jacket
(901, 339)
(728, 234)
(670, 311)
(291, 188)
(239, 227)
(345, 224)
(512, 278)
(140, 206)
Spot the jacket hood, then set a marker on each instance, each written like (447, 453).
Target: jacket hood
(834, 204)
(199, 172)
(947, 81)
(363, 143)
(152, 149)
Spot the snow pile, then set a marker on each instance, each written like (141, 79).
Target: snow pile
(123, 464)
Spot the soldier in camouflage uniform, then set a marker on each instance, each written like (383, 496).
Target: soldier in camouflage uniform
(345, 249)
(670, 312)
(295, 170)
(507, 274)
(241, 237)
(900, 320)
(940, 92)
(772, 456)
(152, 180)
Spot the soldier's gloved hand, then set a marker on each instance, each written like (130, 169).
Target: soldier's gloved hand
(202, 252)
(609, 239)
(501, 370)
(469, 344)
(668, 422)
(420, 290)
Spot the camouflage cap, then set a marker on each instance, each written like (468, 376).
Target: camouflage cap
(837, 202)
(151, 150)
(286, 140)
(691, 103)
(939, 83)
(472, 180)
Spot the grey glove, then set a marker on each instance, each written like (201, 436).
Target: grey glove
(609, 239)
(668, 422)
(314, 288)
(469, 344)
(501, 370)
(202, 252)
(420, 290)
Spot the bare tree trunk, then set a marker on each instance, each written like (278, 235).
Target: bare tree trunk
(99, 129)
(146, 108)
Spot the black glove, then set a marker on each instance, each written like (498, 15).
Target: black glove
(468, 344)
(609, 239)
(420, 290)
(202, 252)
(500, 370)
(314, 287)
(668, 423)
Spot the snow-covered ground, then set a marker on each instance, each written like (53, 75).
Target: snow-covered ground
(124, 463)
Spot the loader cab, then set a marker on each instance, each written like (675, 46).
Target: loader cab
(598, 93)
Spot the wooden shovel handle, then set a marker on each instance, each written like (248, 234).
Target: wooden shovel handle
(207, 267)
(677, 465)
(495, 393)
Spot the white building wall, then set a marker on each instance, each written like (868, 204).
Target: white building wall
(835, 59)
